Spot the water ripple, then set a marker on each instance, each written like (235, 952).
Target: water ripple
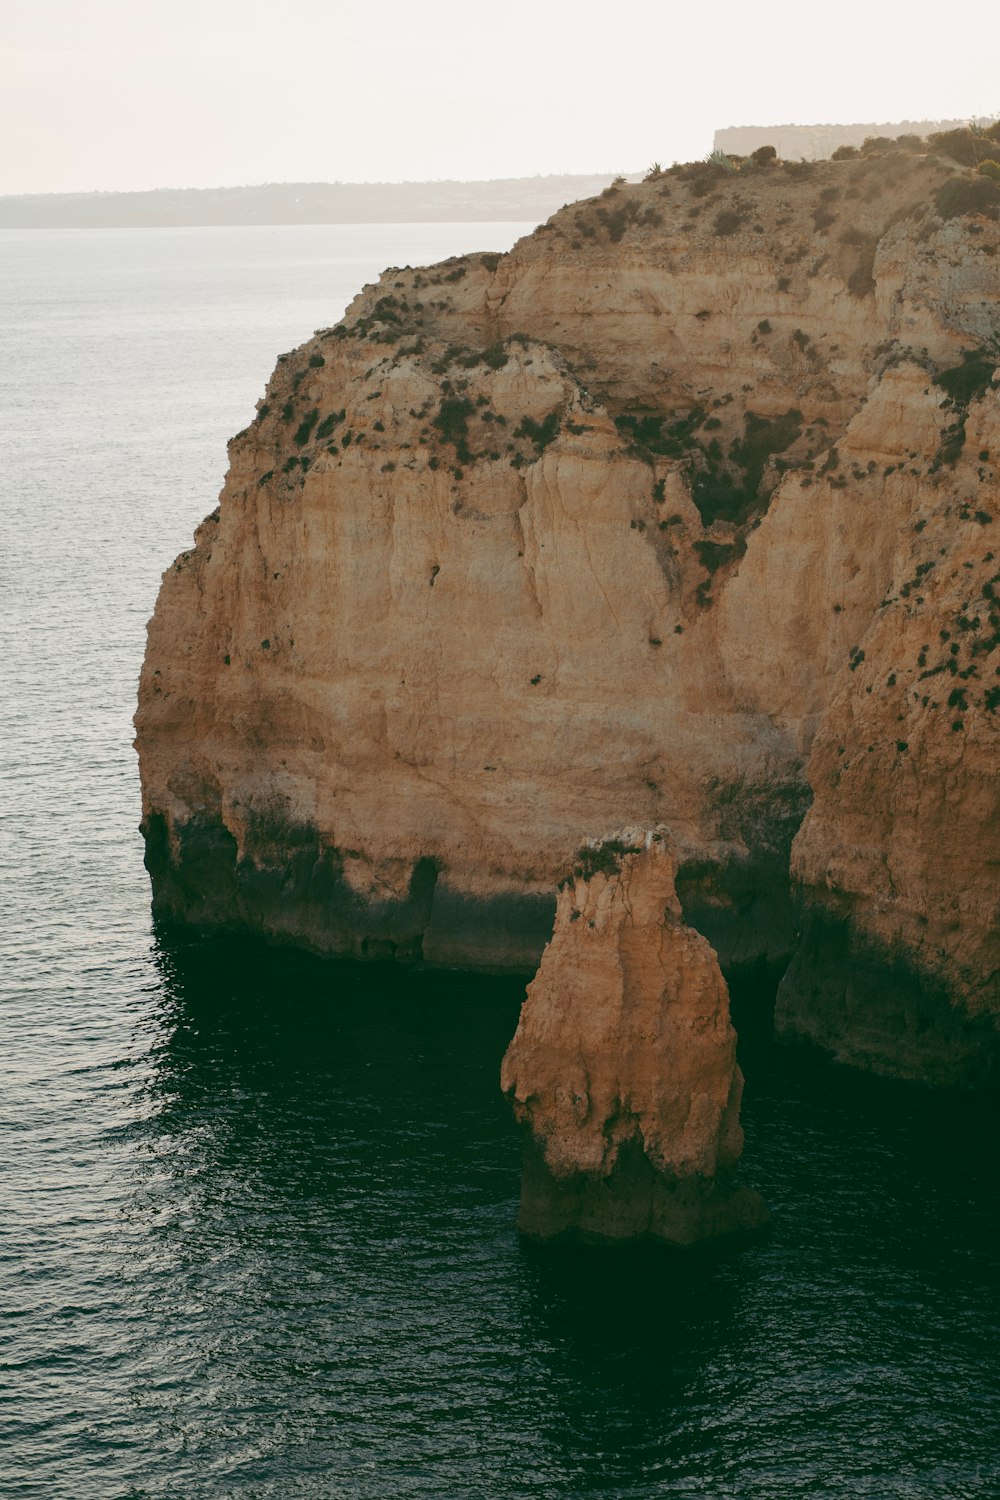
(257, 1232)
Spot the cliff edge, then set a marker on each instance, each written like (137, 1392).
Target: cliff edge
(683, 512)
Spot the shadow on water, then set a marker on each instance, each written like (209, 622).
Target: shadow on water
(322, 1207)
(313, 1074)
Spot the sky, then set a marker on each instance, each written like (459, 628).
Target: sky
(125, 94)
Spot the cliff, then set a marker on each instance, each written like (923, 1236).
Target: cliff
(683, 512)
(623, 1067)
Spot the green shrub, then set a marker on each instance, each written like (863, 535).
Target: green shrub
(875, 145)
(727, 222)
(763, 156)
(862, 279)
(605, 859)
(714, 555)
(647, 431)
(452, 423)
(845, 153)
(329, 423)
(961, 145)
(540, 433)
(964, 382)
(967, 195)
(715, 491)
(304, 430)
(618, 220)
(728, 164)
(990, 168)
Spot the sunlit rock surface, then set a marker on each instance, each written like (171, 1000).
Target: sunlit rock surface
(623, 1067)
(683, 512)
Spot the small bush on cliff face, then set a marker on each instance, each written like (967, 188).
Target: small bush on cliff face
(727, 222)
(763, 437)
(495, 356)
(540, 433)
(452, 423)
(990, 168)
(731, 491)
(329, 423)
(647, 431)
(969, 380)
(845, 153)
(862, 279)
(968, 195)
(874, 145)
(605, 859)
(715, 555)
(962, 145)
(618, 220)
(763, 156)
(304, 430)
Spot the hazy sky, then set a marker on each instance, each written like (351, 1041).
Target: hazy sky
(172, 93)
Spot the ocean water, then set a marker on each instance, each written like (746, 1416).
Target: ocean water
(257, 1211)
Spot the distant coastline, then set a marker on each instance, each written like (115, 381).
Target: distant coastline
(524, 198)
(449, 201)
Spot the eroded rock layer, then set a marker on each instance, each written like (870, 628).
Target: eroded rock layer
(682, 512)
(623, 1066)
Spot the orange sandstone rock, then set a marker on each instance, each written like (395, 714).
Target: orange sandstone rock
(684, 512)
(623, 1066)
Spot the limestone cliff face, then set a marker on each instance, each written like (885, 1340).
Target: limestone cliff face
(623, 1067)
(660, 518)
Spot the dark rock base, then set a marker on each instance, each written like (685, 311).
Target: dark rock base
(876, 1010)
(634, 1202)
(291, 887)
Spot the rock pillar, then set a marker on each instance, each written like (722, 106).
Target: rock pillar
(623, 1066)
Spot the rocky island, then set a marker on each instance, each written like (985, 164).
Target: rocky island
(682, 514)
(623, 1066)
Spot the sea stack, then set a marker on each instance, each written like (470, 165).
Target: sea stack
(623, 1066)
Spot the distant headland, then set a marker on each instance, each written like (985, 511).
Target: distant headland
(527, 198)
(531, 199)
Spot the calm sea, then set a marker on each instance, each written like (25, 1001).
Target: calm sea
(256, 1211)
